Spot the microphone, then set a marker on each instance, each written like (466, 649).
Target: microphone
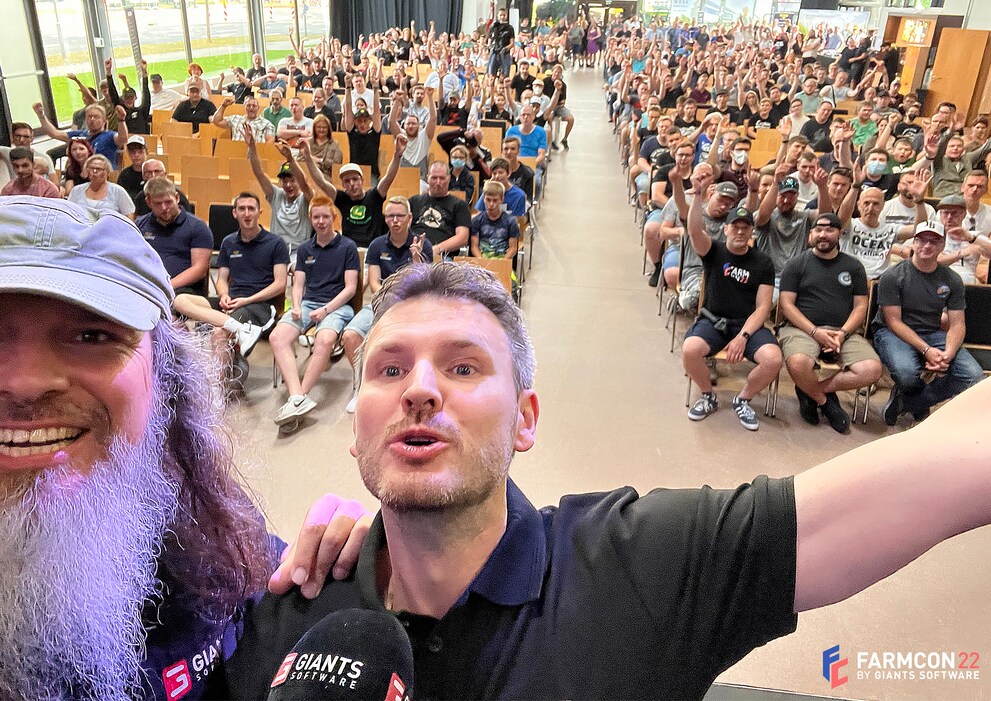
(352, 655)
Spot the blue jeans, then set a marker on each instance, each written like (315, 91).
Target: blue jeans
(906, 365)
(499, 63)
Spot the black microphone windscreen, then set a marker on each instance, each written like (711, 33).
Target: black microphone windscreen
(354, 654)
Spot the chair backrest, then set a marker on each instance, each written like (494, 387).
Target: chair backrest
(978, 315)
(502, 268)
(177, 129)
(206, 190)
(198, 166)
(221, 223)
(342, 140)
(178, 146)
(358, 301)
(227, 149)
(158, 118)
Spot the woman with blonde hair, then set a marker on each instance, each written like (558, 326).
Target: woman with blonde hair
(99, 193)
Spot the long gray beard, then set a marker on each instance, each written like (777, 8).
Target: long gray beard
(77, 565)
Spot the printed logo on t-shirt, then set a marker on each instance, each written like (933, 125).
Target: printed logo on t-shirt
(235, 253)
(359, 214)
(432, 218)
(310, 260)
(845, 279)
(943, 291)
(741, 275)
(385, 256)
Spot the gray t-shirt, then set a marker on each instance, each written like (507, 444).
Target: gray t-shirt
(921, 296)
(289, 220)
(714, 228)
(785, 236)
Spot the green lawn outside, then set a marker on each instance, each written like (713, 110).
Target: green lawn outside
(68, 99)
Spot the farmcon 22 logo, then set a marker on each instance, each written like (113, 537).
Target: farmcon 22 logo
(831, 666)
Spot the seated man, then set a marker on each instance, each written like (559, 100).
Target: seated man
(324, 281)
(386, 254)
(131, 178)
(21, 134)
(419, 133)
(254, 265)
(288, 201)
(495, 233)
(739, 284)
(520, 174)
(154, 168)
(927, 364)
(261, 128)
(184, 242)
(824, 300)
(440, 216)
(361, 209)
(514, 200)
(867, 238)
(533, 143)
(964, 247)
(25, 181)
(195, 109)
(500, 599)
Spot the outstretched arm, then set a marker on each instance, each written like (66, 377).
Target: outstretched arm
(910, 491)
(256, 166)
(46, 126)
(319, 179)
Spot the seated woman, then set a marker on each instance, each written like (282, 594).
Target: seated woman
(99, 193)
(326, 152)
(80, 149)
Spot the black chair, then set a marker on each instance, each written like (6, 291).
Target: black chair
(222, 223)
(977, 339)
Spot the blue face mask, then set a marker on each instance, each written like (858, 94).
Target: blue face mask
(875, 169)
(457, 163)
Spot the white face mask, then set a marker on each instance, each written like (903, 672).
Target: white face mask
(740, 157)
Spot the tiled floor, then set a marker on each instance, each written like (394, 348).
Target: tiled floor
(612, 400)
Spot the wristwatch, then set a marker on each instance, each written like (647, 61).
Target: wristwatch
(745, 334)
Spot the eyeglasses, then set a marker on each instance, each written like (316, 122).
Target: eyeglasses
(395, 216)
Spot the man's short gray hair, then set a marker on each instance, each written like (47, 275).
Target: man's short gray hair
(463, 282)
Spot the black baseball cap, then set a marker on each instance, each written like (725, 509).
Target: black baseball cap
(740, 213)
(828, 219)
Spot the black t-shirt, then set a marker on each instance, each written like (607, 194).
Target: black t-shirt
(732, 281)
(887, 182)
(677, 584)
(361, 220)
(438, 217)
(685, 127)
(779, 111)
(130, 180)
(758, 122)
(522, 178)
(825, 288)
(456, 116)
(365, 148)
(519, 84)
(908, 130)
(403, 49)
(670, 100)
(549, 90)
(818, 135)
(921, 296)
(661, 174)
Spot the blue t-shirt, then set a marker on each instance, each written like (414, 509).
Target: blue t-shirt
(252, 263)
(389, 258)
(493, 236)
(514, 202)
(529, 143)
(324, 267)
(174, 243)
(104, 143)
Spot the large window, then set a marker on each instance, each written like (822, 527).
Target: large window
(159, 25)
(279, 16)
(313, 16)
(218, 33)
(66, 46)
(17, 59)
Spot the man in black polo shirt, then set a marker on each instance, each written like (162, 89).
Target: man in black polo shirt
(738, 286)
(254, 268)
(361, 209)
(195, 109)
(183, 241)
(324, 281)
(438, 214)
(609, 595)
(386, 254)
(927, 364)
(824, 299)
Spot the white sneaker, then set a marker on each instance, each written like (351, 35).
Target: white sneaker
(353, 403)
(248, 336)
(295, 407)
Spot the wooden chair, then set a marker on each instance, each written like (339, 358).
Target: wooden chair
(437, 153)
(206, 191)
(199, 166)
(387, 147)
(158, 119)
(243, 180)
(342, 140)
(407, 180)
(492, 138)
(460, 194)
(977, 339)
(210, 133)
(502, 268)
(227, 149)
(176, 129)
(178, 146)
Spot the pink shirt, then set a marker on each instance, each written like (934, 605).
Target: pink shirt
(39, 187)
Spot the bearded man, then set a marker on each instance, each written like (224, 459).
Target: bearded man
(129, 546)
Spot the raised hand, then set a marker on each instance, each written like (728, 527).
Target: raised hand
(249, 136)
(284, 149)
(784, 126)
(108, 64)
(121, 113)
(416, 248)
